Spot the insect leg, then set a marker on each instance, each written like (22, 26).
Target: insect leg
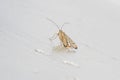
(53, 37)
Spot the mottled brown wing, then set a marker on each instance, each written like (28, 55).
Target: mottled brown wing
(67, 41)
(70, 42)
(63, 38)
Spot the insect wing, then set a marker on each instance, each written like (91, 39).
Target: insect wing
(70, 42)
(63, 38)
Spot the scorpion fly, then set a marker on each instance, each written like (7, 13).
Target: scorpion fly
(67, 42)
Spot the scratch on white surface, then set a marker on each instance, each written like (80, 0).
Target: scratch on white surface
(65, 61)
(40, 51)
(71, 63)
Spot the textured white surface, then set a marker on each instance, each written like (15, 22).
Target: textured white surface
(27, 54)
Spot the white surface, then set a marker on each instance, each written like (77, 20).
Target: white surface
(24, 28)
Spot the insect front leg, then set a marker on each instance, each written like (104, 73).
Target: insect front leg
(53, 37)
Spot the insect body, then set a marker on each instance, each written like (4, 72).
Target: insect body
(65, 39)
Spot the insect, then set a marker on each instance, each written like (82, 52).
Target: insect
(64, 38)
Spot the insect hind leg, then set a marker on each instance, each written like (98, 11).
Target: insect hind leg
(53, 37)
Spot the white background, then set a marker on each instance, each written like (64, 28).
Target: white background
(24, 28)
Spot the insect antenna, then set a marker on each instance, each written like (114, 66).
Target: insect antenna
(64, 24)
(53, 22)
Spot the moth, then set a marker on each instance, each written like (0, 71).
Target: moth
(67, 42)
